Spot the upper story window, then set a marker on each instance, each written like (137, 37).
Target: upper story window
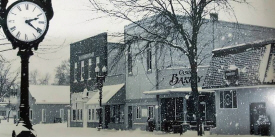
(228, 99)
(149, 59)
(82, 70)
(75, 71)
(130, 61)
(90, 69)
(97, 60)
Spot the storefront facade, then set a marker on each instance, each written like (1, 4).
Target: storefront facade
(176, 105)
(243, 79)
(86, 55)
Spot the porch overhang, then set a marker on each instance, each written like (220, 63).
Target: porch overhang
(176, 90)
(109, 95)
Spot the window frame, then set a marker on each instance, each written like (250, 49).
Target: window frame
(90, 68)
(130, 62)
(75, 71)
(82, 71)
(138, 112)
(234, 101)
(44, 118)
(153, 111)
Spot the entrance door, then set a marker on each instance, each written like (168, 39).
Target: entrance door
(130, 117)
(107, 116)
(256, 109)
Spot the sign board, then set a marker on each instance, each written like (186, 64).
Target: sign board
(86, 56)
(144, 112)
(179, 77)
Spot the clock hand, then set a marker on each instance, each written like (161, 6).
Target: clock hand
(38, 30)
(31, 20)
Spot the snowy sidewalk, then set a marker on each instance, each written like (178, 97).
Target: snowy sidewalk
(61, 130)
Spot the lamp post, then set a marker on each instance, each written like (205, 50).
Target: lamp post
(100, 78)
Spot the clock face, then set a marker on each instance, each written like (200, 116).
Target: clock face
(26, 21)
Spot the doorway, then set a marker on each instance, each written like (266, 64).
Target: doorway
(130, 117)
(256, 109)
(107, 115)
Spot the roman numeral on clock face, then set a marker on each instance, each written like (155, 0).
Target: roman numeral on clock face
(18, 7)
(13, 28)
(18, 34)
(26, 37)
(27, 6)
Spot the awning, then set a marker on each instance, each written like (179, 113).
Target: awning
(175, 90)
(242, 87)
(107, 93)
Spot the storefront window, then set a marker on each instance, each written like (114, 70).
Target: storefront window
(89, 114)
(117, 115)
(74, 114)
(93, 114)
(151, 111)
(138, 112)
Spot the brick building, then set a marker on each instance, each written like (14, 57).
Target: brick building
(85, 56)
(242, 77)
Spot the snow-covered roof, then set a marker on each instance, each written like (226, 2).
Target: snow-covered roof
(107, 93)
(243, 46)
(48, 94)
(174, 90)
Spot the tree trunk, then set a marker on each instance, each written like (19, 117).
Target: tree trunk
(195, 93)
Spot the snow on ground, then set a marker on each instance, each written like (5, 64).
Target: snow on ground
(61, 130)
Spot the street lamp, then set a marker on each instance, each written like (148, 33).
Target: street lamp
(100, 78)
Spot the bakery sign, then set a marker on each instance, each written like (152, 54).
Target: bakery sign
(183, 77)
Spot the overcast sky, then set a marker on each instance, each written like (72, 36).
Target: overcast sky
(73, 21)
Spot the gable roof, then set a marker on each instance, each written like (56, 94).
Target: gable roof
(48, 94)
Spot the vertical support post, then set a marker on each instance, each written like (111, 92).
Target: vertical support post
(24, 95)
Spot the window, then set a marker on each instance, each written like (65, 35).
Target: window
(80, 114)
(138, 112)
(30, 114)
(89, 114)
(74, 114)
(93, 114)
(228, 99)
(62, 114)
(82, 70)
(151, 111)
(97, 114)
(117, 115)
(130, 61)
(149, 59)
(90, 69)
(43, 115)
(97, 60)
(75, 71)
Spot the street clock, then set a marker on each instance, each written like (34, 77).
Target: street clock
(26, 23)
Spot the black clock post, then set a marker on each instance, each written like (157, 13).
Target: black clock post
(37, 24)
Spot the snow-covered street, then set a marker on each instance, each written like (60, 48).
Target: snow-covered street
(61, 130)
